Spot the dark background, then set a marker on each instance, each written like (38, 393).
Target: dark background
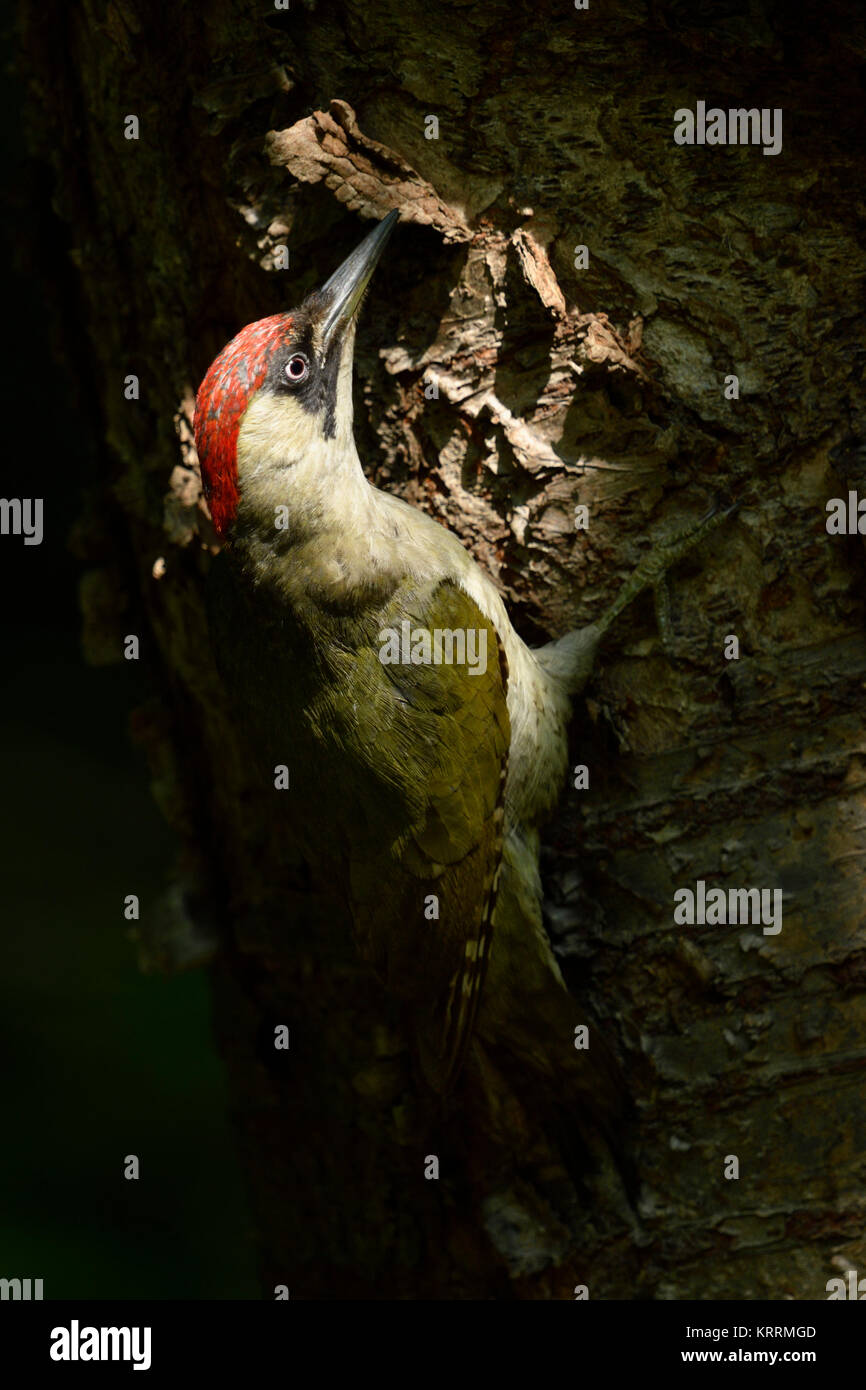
(99, 1060)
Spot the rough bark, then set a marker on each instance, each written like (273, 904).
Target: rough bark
(556, 386)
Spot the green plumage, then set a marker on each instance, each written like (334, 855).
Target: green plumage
(397, 775)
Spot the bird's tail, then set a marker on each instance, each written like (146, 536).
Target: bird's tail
(533, 1029)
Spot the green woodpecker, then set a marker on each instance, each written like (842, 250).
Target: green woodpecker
(365, 648)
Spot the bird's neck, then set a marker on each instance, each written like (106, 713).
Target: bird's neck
(289, 493)
(306, 530)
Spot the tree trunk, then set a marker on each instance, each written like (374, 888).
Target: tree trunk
(504, 381)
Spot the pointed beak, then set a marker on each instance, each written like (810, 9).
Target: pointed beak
(341, 296)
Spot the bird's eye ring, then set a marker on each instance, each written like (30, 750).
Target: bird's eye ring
(297, 368)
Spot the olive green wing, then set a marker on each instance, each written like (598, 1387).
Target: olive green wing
(423, 909)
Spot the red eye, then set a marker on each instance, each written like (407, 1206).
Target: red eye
(297, 367)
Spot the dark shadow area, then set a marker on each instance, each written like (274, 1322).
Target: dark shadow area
(99, 1061)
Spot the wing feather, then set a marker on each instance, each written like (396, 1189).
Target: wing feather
(449, 736)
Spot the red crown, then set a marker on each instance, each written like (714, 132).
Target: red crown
(232, 380)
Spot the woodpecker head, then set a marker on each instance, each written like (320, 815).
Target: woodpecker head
(276, 405)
